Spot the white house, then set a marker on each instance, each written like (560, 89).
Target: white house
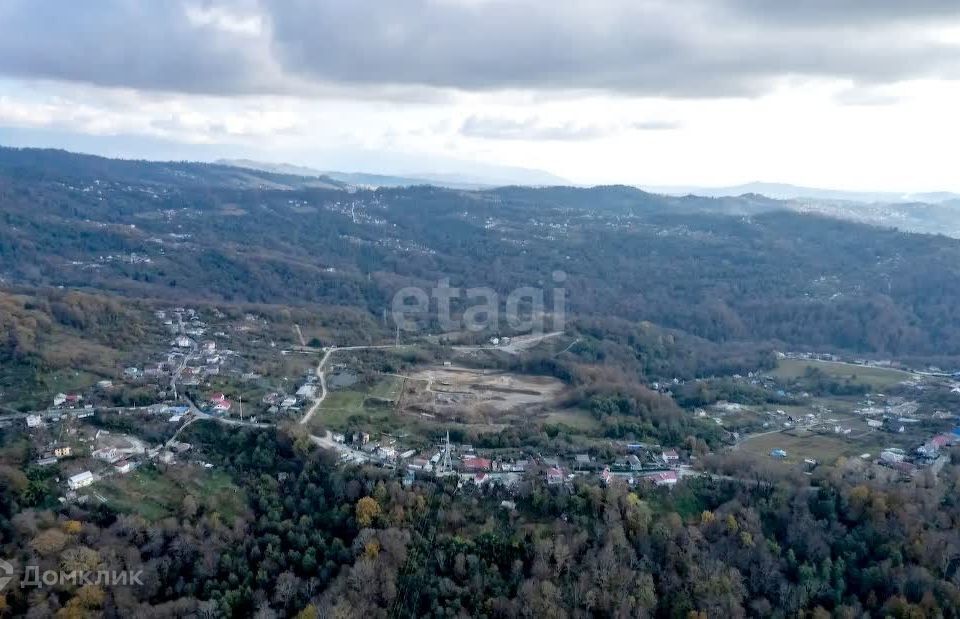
(80, 480)
(34, 421)
(307, 392)
(183, 342)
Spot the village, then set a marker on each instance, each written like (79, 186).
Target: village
(212, 368)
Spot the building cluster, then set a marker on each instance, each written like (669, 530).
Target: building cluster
(307, 392)
(931, 455)
(643, 463)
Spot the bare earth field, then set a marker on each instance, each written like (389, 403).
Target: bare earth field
(477, 395)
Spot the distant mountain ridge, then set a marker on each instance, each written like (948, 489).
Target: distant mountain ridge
(785, 191)
(497, 177)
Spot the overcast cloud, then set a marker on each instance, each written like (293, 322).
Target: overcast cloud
(692, 48)
(840, 93)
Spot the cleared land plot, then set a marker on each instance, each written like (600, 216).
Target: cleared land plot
(373, 402)
(877, 378)
(472, 394)
(824, 448)
(156, 495)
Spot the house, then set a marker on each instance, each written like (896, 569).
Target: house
(63, 451)
(582, 459)
(105, 384)
(307, 392)
(779, 454)
(183, 342)
(124, 467)
(670, 456)
(47, 461)
(338, 437)
(209, 347)
(942, 440)
(220, 403)
(477, 464)
(107, 454)
(59, 399)
(517, 466)
(634, 463)
(663, 478)
(554, 476)
(34, 421)
(891, 456)
(419, 464)
(80, 480)
(288, 402)
(73, 399)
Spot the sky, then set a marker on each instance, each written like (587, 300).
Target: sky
(843, 94)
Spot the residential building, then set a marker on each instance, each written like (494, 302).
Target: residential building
(80, 480)
(663, 478)
(477, 464)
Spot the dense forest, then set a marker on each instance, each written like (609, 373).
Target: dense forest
(320, 541)
(735, 272)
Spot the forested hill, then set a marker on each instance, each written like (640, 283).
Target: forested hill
(726, 270)
(51, 165)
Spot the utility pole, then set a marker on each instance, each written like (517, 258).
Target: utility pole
(241, 406)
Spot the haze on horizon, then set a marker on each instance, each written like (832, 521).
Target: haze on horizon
(838, 94)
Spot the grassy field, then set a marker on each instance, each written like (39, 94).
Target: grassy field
(387, 388)
(340, 406)
(156, 495)
(877, 378)
(824, 448)
(51, 383)
(578, 419)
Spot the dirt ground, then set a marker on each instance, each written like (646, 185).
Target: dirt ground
(453, 392)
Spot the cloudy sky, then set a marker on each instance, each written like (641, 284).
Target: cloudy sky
(846, 94)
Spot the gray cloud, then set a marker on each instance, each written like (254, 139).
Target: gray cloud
(698, 48)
